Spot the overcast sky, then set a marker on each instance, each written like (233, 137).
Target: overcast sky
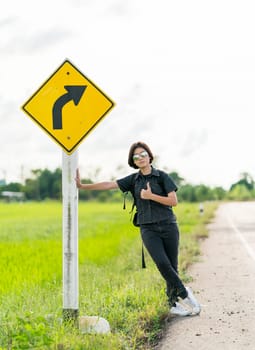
(180, 72)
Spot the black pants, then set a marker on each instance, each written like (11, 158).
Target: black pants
(162, 242)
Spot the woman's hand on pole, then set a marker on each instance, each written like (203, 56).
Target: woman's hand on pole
(78, 179)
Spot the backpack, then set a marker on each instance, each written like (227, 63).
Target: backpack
(133, 216)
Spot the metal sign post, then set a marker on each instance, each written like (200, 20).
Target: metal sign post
(70, 238)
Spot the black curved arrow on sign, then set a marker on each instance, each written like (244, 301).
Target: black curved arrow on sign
(74, 92)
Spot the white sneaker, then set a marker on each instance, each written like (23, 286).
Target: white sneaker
(179, 310)
(192, 302)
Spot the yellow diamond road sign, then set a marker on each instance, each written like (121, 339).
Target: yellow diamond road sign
(68, 106)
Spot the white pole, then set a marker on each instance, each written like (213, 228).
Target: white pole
(70, 238)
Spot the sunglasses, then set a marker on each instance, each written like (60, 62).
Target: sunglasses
(141, 155)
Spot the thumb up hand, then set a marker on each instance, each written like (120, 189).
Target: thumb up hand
(146, 193)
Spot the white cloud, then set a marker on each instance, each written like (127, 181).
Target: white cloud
(181, 73)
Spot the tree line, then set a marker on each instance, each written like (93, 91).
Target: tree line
(44, 184)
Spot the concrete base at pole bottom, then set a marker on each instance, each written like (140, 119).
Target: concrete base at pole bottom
(94, 324)
(85, 324)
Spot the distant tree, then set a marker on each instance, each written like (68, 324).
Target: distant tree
(200, 193)
(177, 178)
(56, 186)
(34, 184)
(31, 189)
(186, 193)
(245, 180)
(44, 184)
(219, 193)
(240, 192)
(50, 184)
(13, 187)
(203, 193)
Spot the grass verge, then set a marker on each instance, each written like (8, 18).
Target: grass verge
(112, 283)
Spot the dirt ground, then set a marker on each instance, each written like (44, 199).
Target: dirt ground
(224, 283)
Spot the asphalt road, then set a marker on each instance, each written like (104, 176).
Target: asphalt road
(224, 283)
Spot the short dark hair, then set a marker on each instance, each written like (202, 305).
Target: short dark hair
(132, 149)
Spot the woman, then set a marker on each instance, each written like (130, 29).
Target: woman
(154, 194)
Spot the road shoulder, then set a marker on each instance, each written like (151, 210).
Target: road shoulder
(224, 285)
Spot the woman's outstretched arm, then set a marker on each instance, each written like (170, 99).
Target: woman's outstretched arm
(105, 185)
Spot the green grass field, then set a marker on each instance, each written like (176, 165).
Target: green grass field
(112, 283)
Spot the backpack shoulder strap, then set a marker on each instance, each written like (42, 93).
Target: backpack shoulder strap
(134, 177)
